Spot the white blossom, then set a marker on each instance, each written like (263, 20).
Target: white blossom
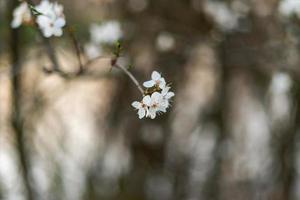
(289, 7)
(108, 32)
(142, 106)
(21, 14)
(157, 99)
(156, 80)
(51, 20)
(154, 106)
(157, 105)
(166, 96)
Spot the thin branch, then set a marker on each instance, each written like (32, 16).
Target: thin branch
(130, 75)
(52, 56)
(77, 49)
(91, 61)
(50, 52)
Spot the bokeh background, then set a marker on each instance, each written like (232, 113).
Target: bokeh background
(232, 132)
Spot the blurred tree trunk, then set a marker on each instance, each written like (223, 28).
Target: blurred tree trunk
(16, 118)
(251, 58)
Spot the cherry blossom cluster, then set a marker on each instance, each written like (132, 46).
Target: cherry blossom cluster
(49, 17)
(156, 98)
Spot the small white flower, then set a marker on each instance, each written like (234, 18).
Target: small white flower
(108, 32)
(156, 105)
(157, 80)
(52, 20)
(21, 14)
(142, 107)
(158, 99)
(166, 96)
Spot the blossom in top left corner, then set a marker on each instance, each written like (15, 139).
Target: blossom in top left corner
(51, 19)
(21, 14)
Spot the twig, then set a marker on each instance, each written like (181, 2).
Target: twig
(77, 49)
(52, 56)
(89, 62)
(130, 75)
(50, 52)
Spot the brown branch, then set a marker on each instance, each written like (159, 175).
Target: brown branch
(56, 68)
(91, 61)
(130, 75)
(77, 49)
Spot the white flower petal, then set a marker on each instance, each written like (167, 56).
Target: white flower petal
(136, 105)
(57, 32)
(155, 75)
(141, 113)
(149, 84)
(151, 113)
(20, 14)
(147, 100)
(169, 95)
(16, 23)
(60, 22)
(162, 83)
(164, 103)
(47, 32)
(163, 109)
(156, 97)
(58, 8)
(165, 90)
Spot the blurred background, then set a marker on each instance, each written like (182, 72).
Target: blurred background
(232, 132)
